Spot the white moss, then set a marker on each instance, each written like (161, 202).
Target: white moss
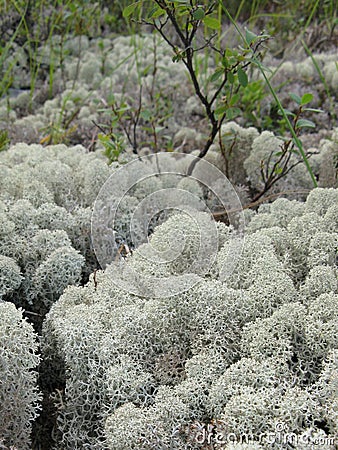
(10, 276)
(19, 396)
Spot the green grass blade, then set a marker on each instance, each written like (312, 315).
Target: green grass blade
(5, 80)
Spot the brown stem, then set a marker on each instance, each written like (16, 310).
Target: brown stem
(221, 214)
(172, 17)
(215, 129)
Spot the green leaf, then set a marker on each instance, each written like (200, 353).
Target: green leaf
(217, 74)
(232, 113)
(307, 98)
(123, 108)
(156, 12)
(242, 77)
(212, 23)
(159, 129)
(231, 77)
(182, 11)
(250, 36)
(224, 62)
(145, 114)
(234, 99)
(146, 70)
(278, 170)
(128, 10)
(315, 110)
(305, 123)
(221, 110)
(296, 98)
(230, 52)
(287, 112)
(198, 14)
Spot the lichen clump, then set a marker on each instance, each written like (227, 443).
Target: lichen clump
(46, 198)
(239, 354)
(19, 396)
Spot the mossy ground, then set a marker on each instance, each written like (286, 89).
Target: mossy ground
(63, 69)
